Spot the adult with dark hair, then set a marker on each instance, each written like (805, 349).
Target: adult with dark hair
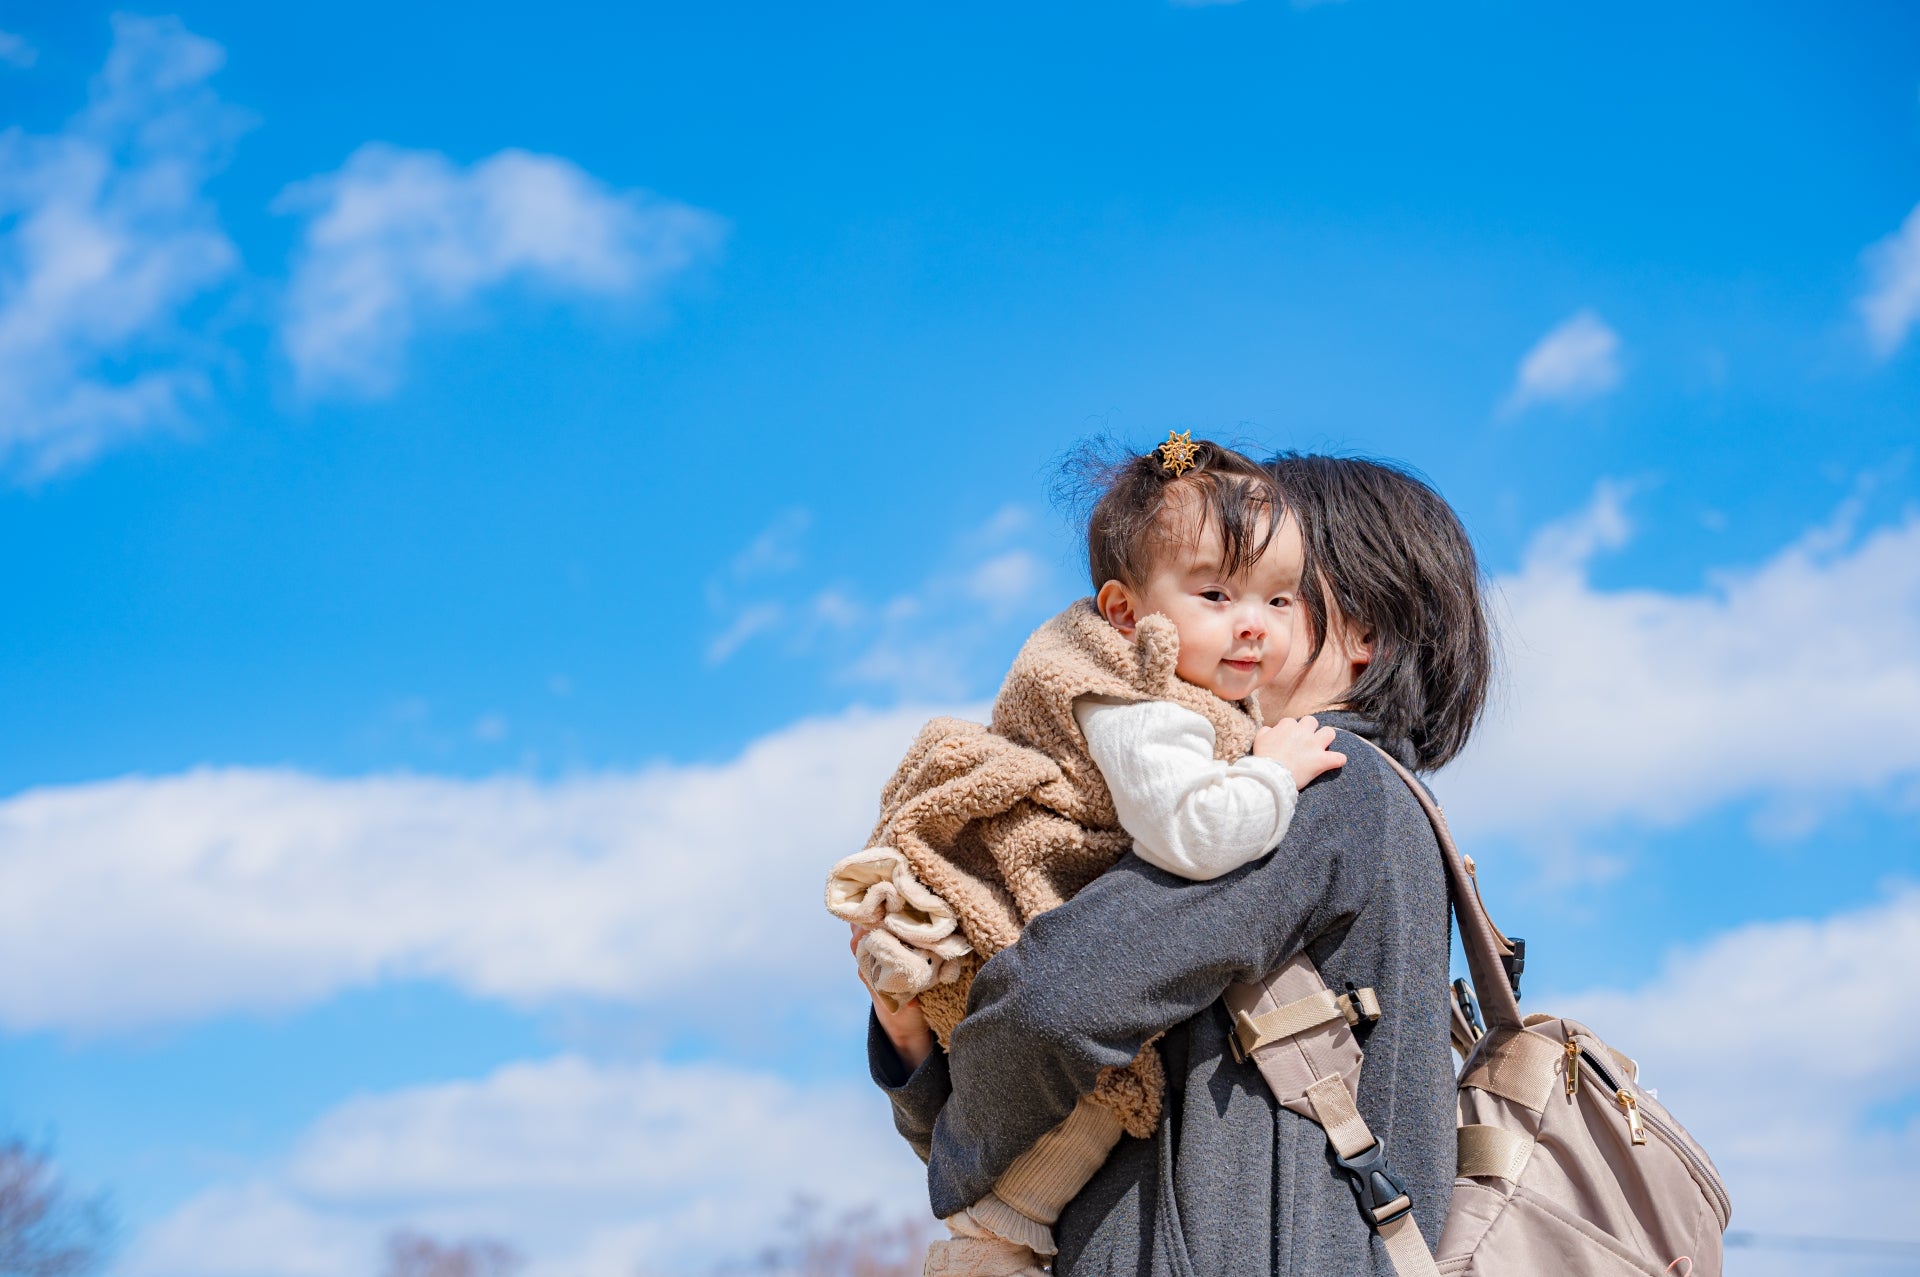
(1392, 645)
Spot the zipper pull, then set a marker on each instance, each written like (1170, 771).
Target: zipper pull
(1573, 1068)
(1634, 1125)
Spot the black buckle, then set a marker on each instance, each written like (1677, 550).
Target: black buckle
(1515, 963)
(1374, 1186)
(1469, 1008)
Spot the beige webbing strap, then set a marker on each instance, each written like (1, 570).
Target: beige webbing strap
(1518, 1065)
(1256, 1031)
(1407, 1248)
(1361, 1004)
(1334, 1109)
(1495, 1151)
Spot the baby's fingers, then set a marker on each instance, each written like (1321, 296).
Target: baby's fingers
(1320, 764)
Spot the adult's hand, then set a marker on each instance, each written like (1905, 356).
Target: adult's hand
(906, 1028)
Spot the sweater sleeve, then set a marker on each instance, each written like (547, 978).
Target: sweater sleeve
(1135, 953)
(1189, 813)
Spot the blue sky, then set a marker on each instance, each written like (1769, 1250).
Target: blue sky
(490, 490)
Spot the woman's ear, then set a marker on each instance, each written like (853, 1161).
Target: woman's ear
(1360, 649)
(1115, 602)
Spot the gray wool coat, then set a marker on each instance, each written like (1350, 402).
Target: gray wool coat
(1231, 1185)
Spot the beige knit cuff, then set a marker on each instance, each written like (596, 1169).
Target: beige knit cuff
(1003, 1221)
(1047, 1176)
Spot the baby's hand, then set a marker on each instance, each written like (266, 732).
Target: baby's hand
(1300, 746)
(906, 1028)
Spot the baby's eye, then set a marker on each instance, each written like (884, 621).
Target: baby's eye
(1214, 596)
(1280, 601)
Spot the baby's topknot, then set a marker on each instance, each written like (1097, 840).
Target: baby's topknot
(1122, 494)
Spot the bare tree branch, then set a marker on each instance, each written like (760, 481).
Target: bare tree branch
(44, 1230)
(856, 1243)
(411, 1254)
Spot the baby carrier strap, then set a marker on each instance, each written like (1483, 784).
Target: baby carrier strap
(1299, 1034)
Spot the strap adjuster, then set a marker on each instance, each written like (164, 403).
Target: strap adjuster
(1381, 1196)
(1358, 1005)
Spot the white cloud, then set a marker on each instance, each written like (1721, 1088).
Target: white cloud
(925, 640)
(1006, 581)
(1784, 1047)
(108, 240)
(1891, 303)
(590, 1168)
(17, 50)
(1654, 707)
(145, 901)
(397, 237)
(1578, 360)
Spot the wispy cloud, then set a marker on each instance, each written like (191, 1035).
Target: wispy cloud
(925, 639)
(1578, 360)
(1662, 705)
(108, 240)
(593, 1169)
(17, 50)
(397, 238)
(1891, 302)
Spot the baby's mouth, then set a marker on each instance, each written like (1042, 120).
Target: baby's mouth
(1246, 666)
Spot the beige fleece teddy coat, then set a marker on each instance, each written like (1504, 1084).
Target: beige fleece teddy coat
(1005, 822)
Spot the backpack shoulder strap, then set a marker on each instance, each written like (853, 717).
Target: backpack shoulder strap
(1485, 946)
(1299, 1034)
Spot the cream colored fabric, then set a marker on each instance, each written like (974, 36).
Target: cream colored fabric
(1190, 812)
(1002, 1220)
(912, 941)
(972, 1251)
(1493, 1150)
(876, 888)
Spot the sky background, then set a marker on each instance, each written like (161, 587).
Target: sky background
(488, 492)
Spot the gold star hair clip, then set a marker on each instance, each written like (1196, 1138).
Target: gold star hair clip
(1178, 452)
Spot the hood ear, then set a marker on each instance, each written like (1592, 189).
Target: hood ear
(1158, 642)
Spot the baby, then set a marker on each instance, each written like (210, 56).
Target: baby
(1127, 722)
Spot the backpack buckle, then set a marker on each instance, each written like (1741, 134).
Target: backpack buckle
(1381, 1196)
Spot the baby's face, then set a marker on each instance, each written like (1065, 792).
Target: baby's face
(1235, 631)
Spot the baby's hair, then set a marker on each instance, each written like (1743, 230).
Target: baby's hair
(1124, 493)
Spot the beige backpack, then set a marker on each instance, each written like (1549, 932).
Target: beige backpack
(1567, 1167)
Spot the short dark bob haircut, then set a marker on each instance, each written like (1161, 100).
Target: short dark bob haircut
(1389, 556)
(1128, 492)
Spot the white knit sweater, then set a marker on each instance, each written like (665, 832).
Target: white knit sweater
(1189, 813)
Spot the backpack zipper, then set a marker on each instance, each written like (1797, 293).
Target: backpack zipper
(1637, 1122)
(1634, 1125)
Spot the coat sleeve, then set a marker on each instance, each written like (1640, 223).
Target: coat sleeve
(916, 1094)
(1135, 953)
